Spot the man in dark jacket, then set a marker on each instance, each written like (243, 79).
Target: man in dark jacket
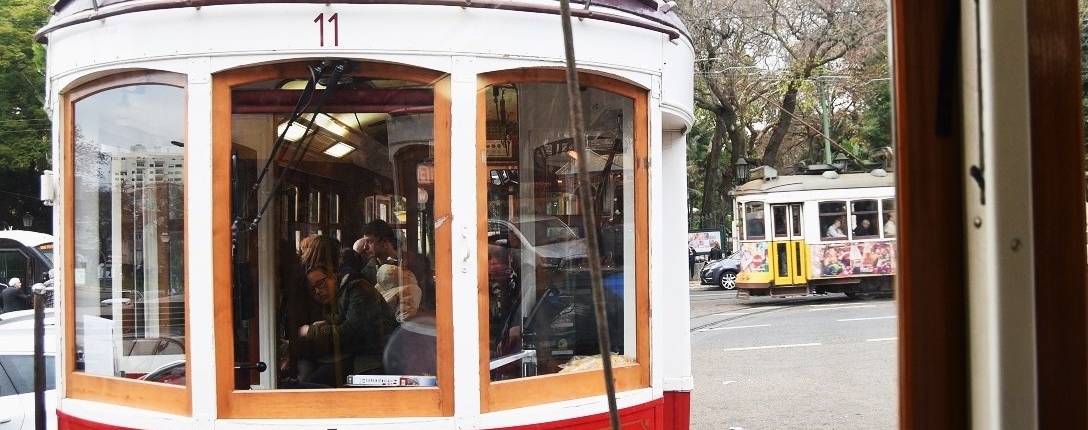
(351, 338)
(14, 297)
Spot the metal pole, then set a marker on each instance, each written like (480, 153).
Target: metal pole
(825, 108)
(39, 356)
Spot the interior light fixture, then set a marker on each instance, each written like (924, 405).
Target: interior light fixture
(339, 150)
(295, 131)
(328, 123)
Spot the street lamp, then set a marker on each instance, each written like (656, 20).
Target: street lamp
(741, 171)
(28, 219)
(840, 162)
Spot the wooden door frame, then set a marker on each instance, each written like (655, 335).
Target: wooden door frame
(933, 371)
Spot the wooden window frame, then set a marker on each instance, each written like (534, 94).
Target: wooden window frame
(108, 389)
(514, 393)
(329, 403)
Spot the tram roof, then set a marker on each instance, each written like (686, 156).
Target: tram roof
(653, 15)
(788, 183)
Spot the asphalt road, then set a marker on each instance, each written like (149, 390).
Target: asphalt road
(823, 362)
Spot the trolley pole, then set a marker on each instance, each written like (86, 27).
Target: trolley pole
(39, 356)
(825, 108)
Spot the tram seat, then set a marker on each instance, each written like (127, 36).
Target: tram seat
(411, 348)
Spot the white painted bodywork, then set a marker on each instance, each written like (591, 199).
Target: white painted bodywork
(464, 42)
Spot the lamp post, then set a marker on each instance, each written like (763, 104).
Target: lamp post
(840, 162)
(741, 171)
(28, 219)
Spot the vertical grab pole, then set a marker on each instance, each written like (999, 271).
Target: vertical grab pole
(588, 212)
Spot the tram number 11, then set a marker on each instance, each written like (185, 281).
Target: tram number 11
(335, 20)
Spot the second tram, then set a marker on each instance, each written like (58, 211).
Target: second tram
(815, 233)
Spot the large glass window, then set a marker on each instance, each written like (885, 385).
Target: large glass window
(352, 279)
(128, 224)
(540, 310)
(755, 224)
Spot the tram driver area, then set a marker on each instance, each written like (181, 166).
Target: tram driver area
(336, 234)
(333, 220)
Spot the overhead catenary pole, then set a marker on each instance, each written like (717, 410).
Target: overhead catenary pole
(825, 112)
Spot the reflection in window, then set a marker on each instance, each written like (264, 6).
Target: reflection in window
(350, 252)
(754, 223)
(541, 313)
(128, 215)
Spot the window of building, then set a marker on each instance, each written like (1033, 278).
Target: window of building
(539, 318)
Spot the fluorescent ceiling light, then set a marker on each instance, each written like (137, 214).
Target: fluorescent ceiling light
(339, 150)
(294, 132)
(329, 124)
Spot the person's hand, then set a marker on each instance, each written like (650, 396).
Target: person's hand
(316, 324)
(304, 331)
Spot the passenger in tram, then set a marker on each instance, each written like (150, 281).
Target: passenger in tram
(889, 225)
(400, 289)
(351, 264)
(299, 305)
(835, 229)
(351, 337)
(865, 228)
(379, 245)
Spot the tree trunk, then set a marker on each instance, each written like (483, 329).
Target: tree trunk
(782, 127)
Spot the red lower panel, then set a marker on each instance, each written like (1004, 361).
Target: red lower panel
(673, 412)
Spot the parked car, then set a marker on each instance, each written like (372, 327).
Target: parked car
(722, 273)
(17, 371)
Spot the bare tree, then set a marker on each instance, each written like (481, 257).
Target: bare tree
(757, 65)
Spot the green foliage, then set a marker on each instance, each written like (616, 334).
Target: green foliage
(25, 149)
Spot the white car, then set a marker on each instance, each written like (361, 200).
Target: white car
(556, 245)
(17, 371)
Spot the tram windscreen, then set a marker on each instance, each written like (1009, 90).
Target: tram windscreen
(128, 208)
(336, 244)
(541, 309)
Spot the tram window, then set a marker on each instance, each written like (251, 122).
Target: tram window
(832, 220)
(540, 300)
(888, 209)
(754, 227)
(353, 170)
(865, 216)
(136, 224)
(779, 218)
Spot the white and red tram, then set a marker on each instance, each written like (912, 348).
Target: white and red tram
(198, 145)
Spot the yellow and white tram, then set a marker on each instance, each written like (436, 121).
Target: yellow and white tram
(815, 233)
